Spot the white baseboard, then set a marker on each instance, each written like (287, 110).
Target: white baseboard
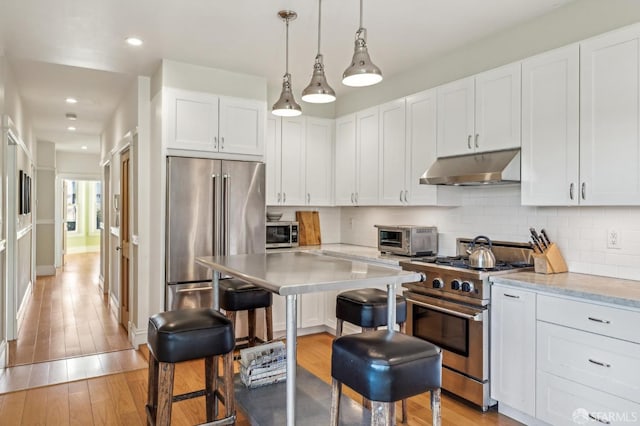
(45, 270)
(101, 283)
(82, 249)
(137, 336)
(23, 305)
(3, 354)
(114, 305)
(519, 415)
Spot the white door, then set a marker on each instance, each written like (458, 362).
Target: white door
(392, 153)
(345, 161)
(550, 128)
(456, 117)
(272, 160)
(241, 126)
(292, 184)
(367, 157)
(497, 118)
(192, 120)
(319, 161)
(610, 119)
(421, 146)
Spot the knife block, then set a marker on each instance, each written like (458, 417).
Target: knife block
(549, 262)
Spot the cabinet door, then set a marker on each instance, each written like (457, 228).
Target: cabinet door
(550, 122)
(279, 315)
(293, 151)
(272, 159)
(192, 120)
(497, 117)
(368, 157)
(392, 153)
(610, 119)
(513, 347)
(421, 146)
(311, 310)
(345, 170)
(455, 118)
(319, 161)
(241, 126)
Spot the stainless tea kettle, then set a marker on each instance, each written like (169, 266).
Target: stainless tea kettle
(481, 256)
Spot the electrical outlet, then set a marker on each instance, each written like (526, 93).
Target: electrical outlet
(613, 239)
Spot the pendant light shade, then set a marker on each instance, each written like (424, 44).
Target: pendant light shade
(286, 105)
(318, 91)
(362, 72)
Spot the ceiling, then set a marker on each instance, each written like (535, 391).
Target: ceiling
(62, 48)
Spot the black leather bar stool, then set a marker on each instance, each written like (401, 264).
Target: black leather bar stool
(385, 366)
(237, 295)
(184, 335)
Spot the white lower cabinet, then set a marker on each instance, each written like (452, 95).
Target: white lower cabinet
(311, 312)
(513, 347)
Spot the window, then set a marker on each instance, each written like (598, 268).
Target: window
(71, 188)
(96, 208)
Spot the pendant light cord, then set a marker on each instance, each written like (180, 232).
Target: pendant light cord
(287, 49)
(361, 14)
(319, 23)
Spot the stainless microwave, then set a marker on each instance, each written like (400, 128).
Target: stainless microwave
(408, 240)
(282, 234)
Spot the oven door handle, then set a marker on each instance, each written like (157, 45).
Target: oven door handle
(475, 317)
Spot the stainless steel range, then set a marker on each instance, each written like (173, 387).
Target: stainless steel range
(451, 309)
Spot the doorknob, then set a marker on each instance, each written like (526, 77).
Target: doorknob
(118, 248)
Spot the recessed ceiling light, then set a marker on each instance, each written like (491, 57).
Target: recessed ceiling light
(83, 147)
(71, 116)
(71, 129)
(134, 41)
(72, 100)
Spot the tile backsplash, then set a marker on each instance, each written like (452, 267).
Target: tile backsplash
(495, 211)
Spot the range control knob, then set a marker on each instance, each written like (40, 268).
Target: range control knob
(467, 286)
(455, 285)
(438, 283)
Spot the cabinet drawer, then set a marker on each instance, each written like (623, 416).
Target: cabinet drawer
(561, 402)
(606, 364)
(605, 320)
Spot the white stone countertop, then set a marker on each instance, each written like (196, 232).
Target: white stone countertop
(299, 272)
(351, 252)
(590, 287)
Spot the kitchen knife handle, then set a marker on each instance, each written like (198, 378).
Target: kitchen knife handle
(571, 191)
(469, 141)
(584, 190)
(476, 142)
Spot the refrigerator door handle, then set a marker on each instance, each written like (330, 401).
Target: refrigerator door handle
(216, 248)
(225, 213)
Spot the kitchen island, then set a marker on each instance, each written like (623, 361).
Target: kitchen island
(292, 273)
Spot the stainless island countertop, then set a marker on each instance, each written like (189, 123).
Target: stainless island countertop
(295, 272)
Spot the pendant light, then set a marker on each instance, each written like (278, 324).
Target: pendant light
(287, 106)
(362, 72)
(318, 91)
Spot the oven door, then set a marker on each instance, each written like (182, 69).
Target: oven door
(461, 331)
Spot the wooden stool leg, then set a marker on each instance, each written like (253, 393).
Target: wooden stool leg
(382, 413)
(165, 393)
(211, 400)
(436, 419)
(268, 318)
(229, 396)
(404, 411)
(152, 390)
(339, 327)
(252, 327)
(336, 393)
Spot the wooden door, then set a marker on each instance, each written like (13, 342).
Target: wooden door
(124, 239)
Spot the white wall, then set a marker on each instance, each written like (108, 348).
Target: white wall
(78, 164)
(45, 208)
(580, 232)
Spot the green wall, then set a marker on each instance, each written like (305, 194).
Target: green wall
(85, 239)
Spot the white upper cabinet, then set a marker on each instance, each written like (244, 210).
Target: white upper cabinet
(550, 128)
(393, 189)
(367, 157)
(206, 122)
(345, 160)
(299, 155)
(319, 161)
(610, 118)
(480, 113)
(420, 146)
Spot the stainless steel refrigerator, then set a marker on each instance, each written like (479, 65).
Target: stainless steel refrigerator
(214, 207)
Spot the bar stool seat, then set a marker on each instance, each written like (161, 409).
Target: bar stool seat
(184, 335)
(238, 295)
(385, 366)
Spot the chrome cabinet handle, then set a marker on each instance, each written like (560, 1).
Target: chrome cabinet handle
(401, 195)
(584, 190)
(222, 142)
(511, 296)
(215, 142)
(308, 198)
(405, 196)
(469, 141)
(603, 421)
(571, 191)
(284, 197)
(599, 320)
(189, 290)
(474, 317)
(601, 364)
(476, 142)
(279, 197)
(352, 198)
(356, 198)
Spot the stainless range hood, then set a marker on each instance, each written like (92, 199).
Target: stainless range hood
(496, 167)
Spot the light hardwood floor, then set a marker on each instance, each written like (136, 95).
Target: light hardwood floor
(67, 316)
